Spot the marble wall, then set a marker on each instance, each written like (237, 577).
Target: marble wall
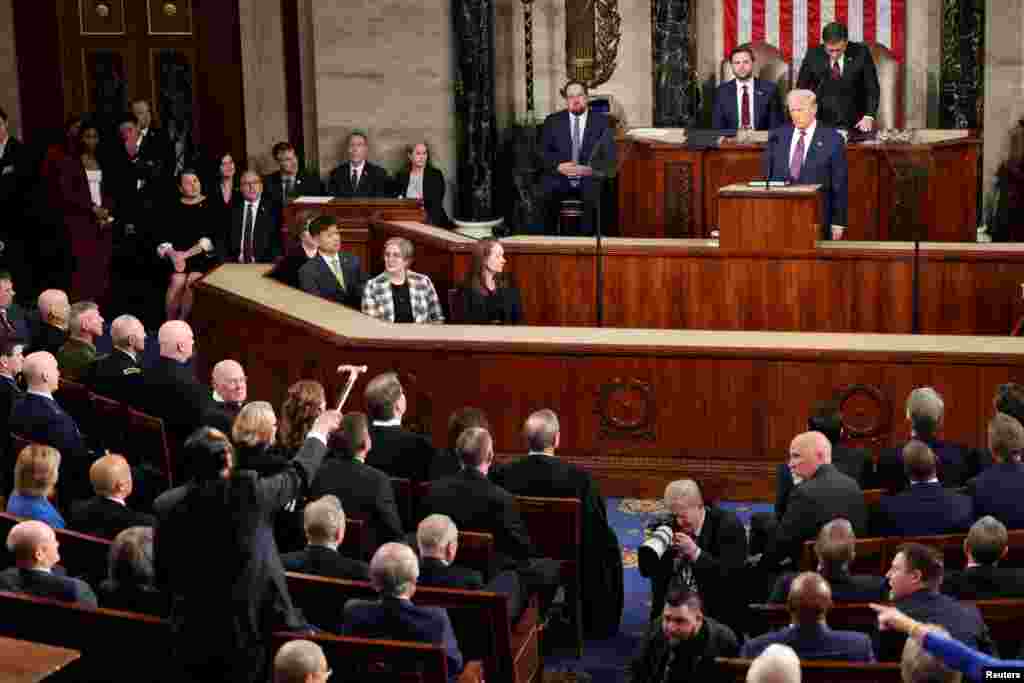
(9, 67)
(263, 81)
(1004, 83)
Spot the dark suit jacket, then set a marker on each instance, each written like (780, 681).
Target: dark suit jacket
(315, 277)
(434, 572)
(105, 518)
(556, 139)
(365, 493)
(476, 504)
(397, 619)
(996, 492)
(923, 510)
(817, 641)
(19, 320)
(856, 94)
(323, 561)
(266, 235)
(853, 462)
(433, 194)
(825, 164)
(171, 392)
(374, 182)
(41, 420)
(397, 452)
(10, 394)
(505, 305)
(767, 108)
(45, 585)
(825, 496)
(116, 376)
(953, 463)
(13, 174)
(226, 607)
(695, 659)
(963, 621)
(157, 152)
(221, 415)
(845, 588)
(304, 185)
(134, 598)
(46, 337)
(984, 582)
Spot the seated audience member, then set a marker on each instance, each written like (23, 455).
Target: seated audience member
(394, 571)
(302, 249)
(287, 181)
(681, 643)
(777, 664)
(422, 180)
(107, 514)
(252, 233)
(917, 666)
(1009, 399)
(35, 477)
(396, 451)
(85, 324)
(332, 274)
(300, 661)
(35, 572)
(51, 328)
(853, 462)
(365, 491)
(188, 232)
(324, 520)
(986, 544)
(38, 418)
(914, 580)
(996, 491)
(438, 540)
(13, 321)
(118, 375)
(223, 199)
(11, 363)
(746, 102)
(400, 295)
(835, 548)
(486, 296)
(357, 177)
(543, 474)
(446, 463)
(809, 601)
(709, 548)
(230, 391)
(935, 641)
(254, 435)
(131, 575)
(926, 508)
(925, 412)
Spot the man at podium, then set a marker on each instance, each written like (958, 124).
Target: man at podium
(807, 153)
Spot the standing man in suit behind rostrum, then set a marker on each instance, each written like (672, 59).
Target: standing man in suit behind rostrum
(746, 102)
(570, 140)
(357, 177)
(843, 76)
(288, 181)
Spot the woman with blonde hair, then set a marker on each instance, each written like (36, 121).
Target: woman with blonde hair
(254, 434)
(35, 477)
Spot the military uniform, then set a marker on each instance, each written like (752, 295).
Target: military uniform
(75, 357)
(117, 376)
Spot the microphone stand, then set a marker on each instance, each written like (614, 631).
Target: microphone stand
(599, 175)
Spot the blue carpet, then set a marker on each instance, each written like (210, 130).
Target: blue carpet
(605, 660)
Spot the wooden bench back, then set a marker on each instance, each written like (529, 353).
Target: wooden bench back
(373, 660)
(82, 555)
(476, 551)
(146, 439)
(819, 671)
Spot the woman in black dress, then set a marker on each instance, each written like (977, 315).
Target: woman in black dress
(224, 191)
(189, 236)
(420, 180)
(485, 294)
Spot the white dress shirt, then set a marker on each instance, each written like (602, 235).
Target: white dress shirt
(807, 143)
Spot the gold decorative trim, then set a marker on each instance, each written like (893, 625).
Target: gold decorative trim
(168, 8)
(102, 8)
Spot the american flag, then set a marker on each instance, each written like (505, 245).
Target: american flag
(795, 25)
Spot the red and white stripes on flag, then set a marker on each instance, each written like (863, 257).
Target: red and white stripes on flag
(795, 25)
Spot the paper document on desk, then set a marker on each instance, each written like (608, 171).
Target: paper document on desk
(311, 200)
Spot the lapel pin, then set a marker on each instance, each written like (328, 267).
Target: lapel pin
(819, 143)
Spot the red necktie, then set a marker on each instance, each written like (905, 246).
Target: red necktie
(836, 73)
(797, 162)
(745, 108)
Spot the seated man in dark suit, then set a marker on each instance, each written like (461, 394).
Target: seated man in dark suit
(396, 451)
(324, 521)
(438, 540)
(835, 548)
(926, 508)
(996, 491)
(571, 138)
(107, 514)
(85, 324)
(13, 321)
(357, 177)
(254, 233)
(288, 181)
(810, 598)
(807, 152)
(394, 572)
(35, 549)
(844, 78)
(50, 330)
(364, 491)
(230, 391)
(986, 544)
(11, 364)
(332, 274)
(541, 473)
(914, 581)
(118, 375)
(746, 102)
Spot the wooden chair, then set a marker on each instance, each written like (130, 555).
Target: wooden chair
(853, 616)
(476, 551)
(871, 557)
(110, 419)
(402, 489)
(82, 555)
(770, 65)
(146, 440)
(353, 545)
(819, 671)
(555, 527)
(890, 77)
(75, 400)
(367, 659)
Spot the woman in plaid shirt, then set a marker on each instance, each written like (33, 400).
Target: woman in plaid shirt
(400, 295)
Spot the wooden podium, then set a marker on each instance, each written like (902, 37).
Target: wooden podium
(757, 219)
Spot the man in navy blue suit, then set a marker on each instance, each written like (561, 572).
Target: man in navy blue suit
(810, 599)
(571, 139)
(35, 571)
(332, 274)
(996, 491)
(746, 102)
(806, 152)
(926, 508)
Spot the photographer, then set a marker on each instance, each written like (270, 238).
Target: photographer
(701, 546)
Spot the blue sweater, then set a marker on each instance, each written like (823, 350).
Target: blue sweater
(35, 507)
(958, 656)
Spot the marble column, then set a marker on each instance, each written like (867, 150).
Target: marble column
(263, 86)
(675, 89)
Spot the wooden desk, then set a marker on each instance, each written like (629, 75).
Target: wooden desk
(22, 661)
(666, 190)
(637, 408)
